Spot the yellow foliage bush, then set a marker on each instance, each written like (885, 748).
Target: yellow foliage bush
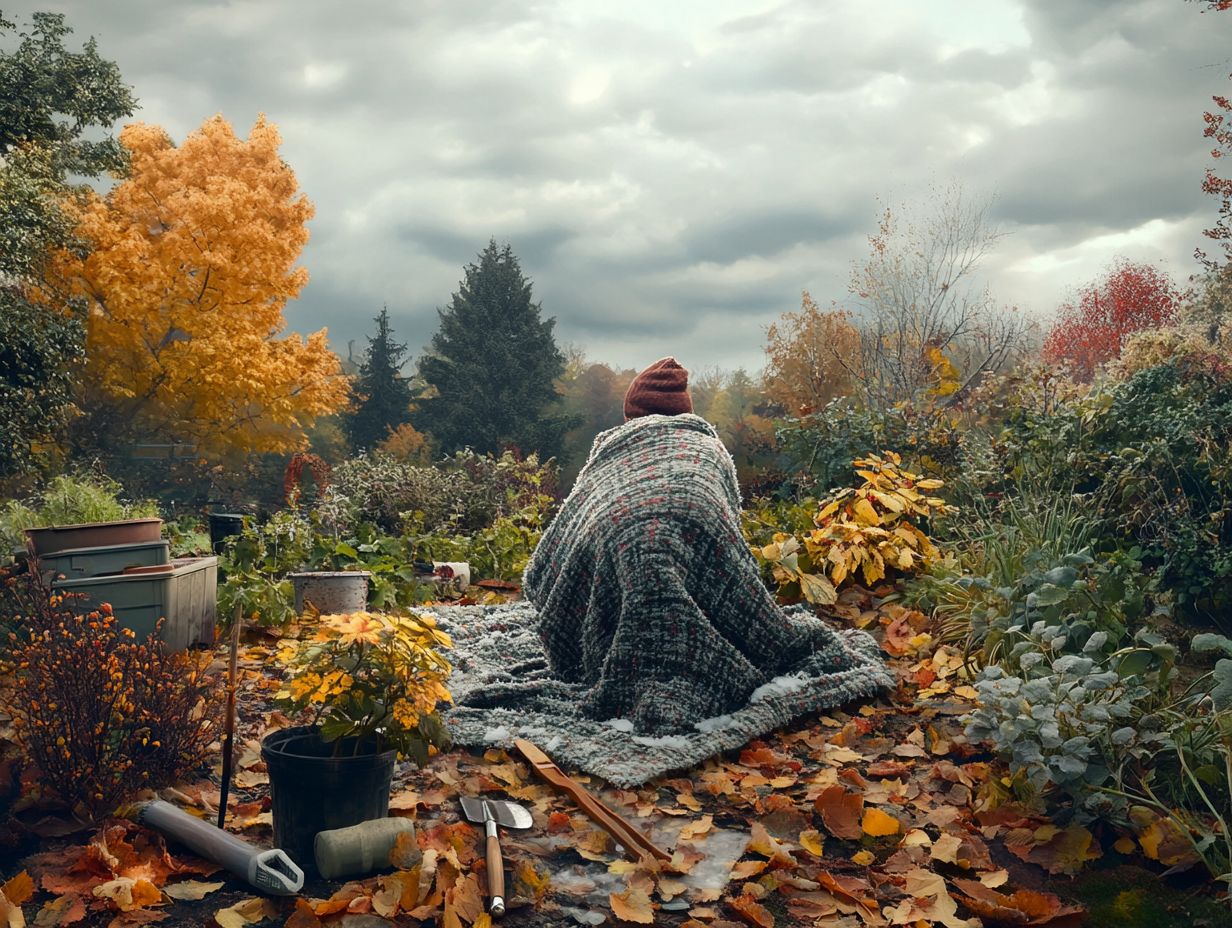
(366, 675)
(866, 531)
(1153, 347)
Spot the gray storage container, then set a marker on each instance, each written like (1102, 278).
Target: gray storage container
(78, 563)
(185, 593)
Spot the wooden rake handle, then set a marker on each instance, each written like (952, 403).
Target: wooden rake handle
(633, 841)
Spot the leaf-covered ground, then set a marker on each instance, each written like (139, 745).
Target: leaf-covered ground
(879, 815)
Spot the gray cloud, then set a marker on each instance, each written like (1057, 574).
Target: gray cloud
(672, 175)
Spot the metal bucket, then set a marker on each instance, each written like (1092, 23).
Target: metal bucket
(331, 592)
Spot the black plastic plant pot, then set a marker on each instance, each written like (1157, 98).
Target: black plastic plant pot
(315, 788)
(224, 525)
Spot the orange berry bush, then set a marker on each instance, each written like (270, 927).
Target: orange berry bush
(100, 713)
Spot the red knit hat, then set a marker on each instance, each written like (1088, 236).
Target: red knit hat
(661, 389)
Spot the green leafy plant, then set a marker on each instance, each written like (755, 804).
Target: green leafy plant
(820, 447)
(374, 678)
(1066, 720)
(256, 563)
(68, 499)
(461, 494)
(1072, 599)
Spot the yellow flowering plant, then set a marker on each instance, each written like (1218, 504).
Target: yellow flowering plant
(371, 677)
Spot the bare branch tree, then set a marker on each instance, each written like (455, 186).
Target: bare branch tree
(917, 296)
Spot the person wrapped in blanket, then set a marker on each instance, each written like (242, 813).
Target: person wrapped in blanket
(647, 592)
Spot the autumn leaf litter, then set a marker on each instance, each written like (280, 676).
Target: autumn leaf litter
(879, 816)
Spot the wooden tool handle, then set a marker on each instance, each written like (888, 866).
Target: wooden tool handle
(633, 841)
(496, 873)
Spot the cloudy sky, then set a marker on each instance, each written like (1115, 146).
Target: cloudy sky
(672, 173)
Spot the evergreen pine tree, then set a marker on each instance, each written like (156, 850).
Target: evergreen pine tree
(493, 363)
(384, 394)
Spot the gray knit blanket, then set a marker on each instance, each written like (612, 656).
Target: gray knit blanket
(649, 641)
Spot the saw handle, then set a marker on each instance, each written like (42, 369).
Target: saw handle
(496, 871)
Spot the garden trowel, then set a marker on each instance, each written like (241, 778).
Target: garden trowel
(490, 813)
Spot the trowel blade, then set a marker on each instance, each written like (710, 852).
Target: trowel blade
(506, 814)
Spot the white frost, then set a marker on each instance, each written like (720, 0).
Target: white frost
(780, 686)
(718, 723)
(680, 742)
(498, 735)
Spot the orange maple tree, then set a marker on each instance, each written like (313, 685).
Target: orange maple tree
(193, 260)
(810, 355)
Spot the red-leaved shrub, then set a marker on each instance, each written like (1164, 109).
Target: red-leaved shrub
(1093, 327)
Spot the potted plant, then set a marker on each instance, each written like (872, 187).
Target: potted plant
(372, 684)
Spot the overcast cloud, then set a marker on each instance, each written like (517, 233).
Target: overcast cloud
(672, 173)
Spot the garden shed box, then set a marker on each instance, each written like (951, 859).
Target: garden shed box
(78, 563)
(184, 592)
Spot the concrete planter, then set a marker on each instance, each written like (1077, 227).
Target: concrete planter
(331, 592)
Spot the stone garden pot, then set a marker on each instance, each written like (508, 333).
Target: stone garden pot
(331, 592)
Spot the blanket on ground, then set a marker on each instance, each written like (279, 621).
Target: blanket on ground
(651, 606)
(503, 689)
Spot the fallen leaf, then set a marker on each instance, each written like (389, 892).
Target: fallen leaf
(19, 889)
(303, 916)
(898, 635)
(11, 915)
(126, 894)
(753, 912)
(633, 905)
(1024, 907)
(191, 890)
(697, 828)
(466, 898)
(746, 869)
(878, 824)
(63, 910)
(850, 889)
(247, 779)
(406, 800)
(863, 858)
(529, 882)
(405, 854)
(1163, 840)
(136, 917)
(840, 812)
(994, 878)
(812, 841)
(928, 902)
(763, 843)
(945, 849)
(245, 912)
(1055, 849)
